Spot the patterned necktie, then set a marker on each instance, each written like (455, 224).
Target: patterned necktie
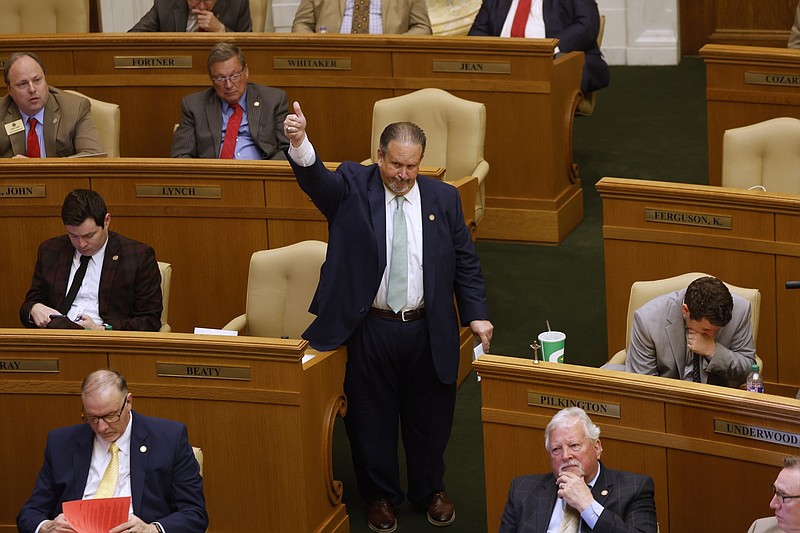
(33, 149)
(521, 18)
(696, 368)
(77, 280)
(398, 270)
(361, 16)
(108, 485)
(571, 520)
(231, 133)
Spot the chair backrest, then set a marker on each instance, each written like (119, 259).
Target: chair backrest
(261, 15)
(280, 286)
(766, 154)
(44, 16)
(166, 283)
(106, 117)
(198, 455)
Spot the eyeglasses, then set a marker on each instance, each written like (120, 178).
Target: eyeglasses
(233, 78)
(109, 418)
(783, 497)
(194, 3)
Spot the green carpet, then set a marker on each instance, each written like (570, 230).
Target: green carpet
(649, 124)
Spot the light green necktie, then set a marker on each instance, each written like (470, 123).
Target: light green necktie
(398, 270)
(109, 482)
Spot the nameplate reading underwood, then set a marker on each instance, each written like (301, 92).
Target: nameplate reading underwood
(152, 61)
(688, 219)
(178, 191)
(23, 191)
(311, 63)
(473, 67)
(28, 365)
(557, 402)
(757, 433)
(764, 78)
(173, 370)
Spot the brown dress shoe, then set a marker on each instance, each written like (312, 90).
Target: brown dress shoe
(381, 516)
(440, 510)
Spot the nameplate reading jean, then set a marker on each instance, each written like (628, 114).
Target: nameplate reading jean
(757, 433)
(178, 191)
(203, 371)
(23, 191)
(152, 61)
(311, 63)
(473, 67)
(688, 219)
(558, 402)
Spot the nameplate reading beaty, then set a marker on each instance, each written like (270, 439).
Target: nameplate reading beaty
(761, 78)
(757, 433)
(203, 371)
(28, 365)
(473, 67)
(558, 402)
(688, 219)
(311, 63)
(152, 61)
(23, 191)
(178, 191)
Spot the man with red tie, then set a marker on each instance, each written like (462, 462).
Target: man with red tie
(42, 121)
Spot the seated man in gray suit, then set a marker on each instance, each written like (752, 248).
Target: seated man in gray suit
(785, 501)
(702, 333)
(196, 15)
(581, 493)
(234, 119)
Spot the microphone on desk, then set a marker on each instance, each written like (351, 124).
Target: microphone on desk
(793, 284)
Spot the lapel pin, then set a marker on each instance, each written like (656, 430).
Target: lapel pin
(143, 448)
(55, 120)
(256, 103)
(431, 217)
(604, 492)
(115, 258)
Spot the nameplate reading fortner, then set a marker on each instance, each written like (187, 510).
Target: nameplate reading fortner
(152, 61)
(28, 365)
(311, 63)
(761, 78)
(688, 219)
(757, 433)
(203, 371)
(473, 67)
(558, 402)
(178, 191)
(23, 191)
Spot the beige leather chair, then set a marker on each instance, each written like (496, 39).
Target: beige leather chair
(261, 15)
(766, 154)
(455, 130)
(198, 454)
(586, 107)
(106, 117)
(644, 291)
(166, 283)
(280, 287)
(44, 16)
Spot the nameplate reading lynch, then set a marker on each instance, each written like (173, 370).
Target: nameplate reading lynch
(688, 219)
(178, 191)
(557, 402)
(174, 370)
(473, 67)
(23, 191)
(28, 365)
(152, 61)
(757, 433)
(311, 63)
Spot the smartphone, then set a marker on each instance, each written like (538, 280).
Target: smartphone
(62, 322)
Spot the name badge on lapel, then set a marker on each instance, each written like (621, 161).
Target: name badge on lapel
(14, 127)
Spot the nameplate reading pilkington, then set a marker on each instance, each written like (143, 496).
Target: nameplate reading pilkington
(473, 67)
(312, 63)
(203, 371)
(558, 402)
(762, 78)
(757, 433)
(178, 191)
(23, 191)
(28, 365)
(152, 61)
(688, 219)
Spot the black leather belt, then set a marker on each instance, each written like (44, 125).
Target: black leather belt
(403, 316)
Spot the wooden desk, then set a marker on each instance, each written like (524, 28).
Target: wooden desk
(705, 480)
(733, 101)
(533, 190)
(284, 407)
(760, 250)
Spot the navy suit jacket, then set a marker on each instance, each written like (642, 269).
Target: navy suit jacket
(172, 15)
(575, 23)
(130, 282)
(352, 200)
(165, 478)
(628, 500)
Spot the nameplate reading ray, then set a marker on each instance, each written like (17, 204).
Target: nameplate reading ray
(173, 370)
(311, 63)
(473, 67)
(152, 61)
(28, 365)
(557, 402)
(757, 433)
(688, 219)
(23, 191)
(764, 78)
(178, 191)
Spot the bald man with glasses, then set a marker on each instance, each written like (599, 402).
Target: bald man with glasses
(196, 15)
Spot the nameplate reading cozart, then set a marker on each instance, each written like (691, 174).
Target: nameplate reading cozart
(757, 433)
(152, 61)
(311, 63)
(28, 365)
(772, 78)
(178, 191)
(173, 370)
(558, 402)
(23, 191)
(688, 219)
(473, 67)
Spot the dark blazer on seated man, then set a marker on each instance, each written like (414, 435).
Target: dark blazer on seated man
(575, 23)
(173, 15)
(199, 133)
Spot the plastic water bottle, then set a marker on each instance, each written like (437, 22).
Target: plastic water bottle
(323, 29)
(755, 382)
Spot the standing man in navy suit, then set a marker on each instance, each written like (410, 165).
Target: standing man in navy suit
(580, 491)
(403, 348)
(156, 466)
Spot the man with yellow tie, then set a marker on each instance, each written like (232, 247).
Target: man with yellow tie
(111, 455)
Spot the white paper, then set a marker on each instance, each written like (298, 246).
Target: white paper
(212, 331)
